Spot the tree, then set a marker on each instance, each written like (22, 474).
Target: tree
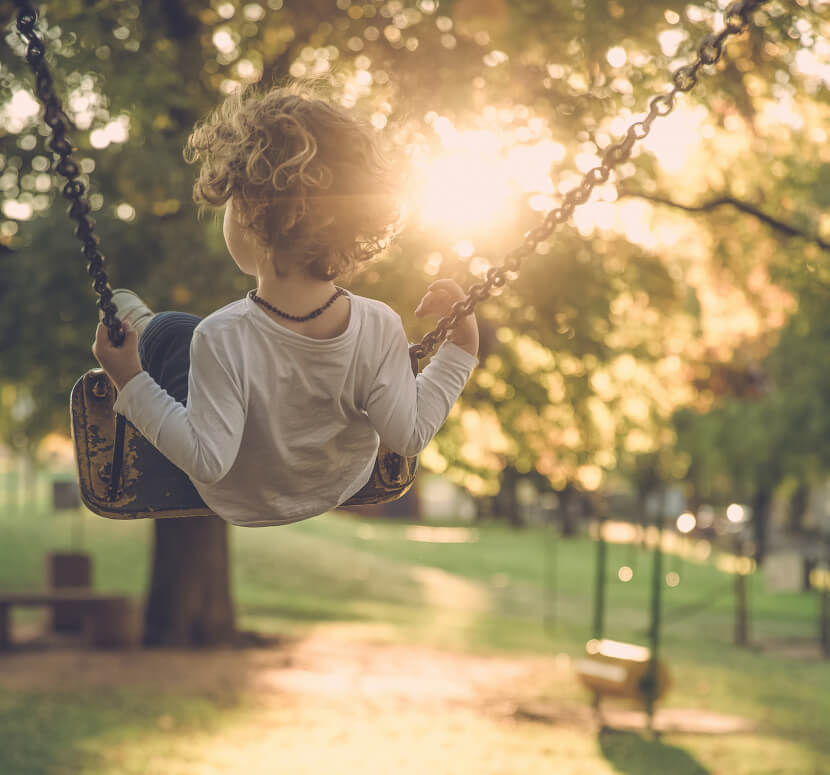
(777, 439)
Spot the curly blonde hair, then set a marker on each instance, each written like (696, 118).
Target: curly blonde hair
(305, 176)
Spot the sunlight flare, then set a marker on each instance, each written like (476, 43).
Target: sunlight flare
(476, 181)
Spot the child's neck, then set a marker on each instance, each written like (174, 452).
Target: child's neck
(298, 294)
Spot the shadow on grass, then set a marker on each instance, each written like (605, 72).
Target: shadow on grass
(631, 753)
(48, 733)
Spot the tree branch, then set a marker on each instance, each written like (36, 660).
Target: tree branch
(727, 201)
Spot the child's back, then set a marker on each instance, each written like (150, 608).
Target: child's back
(290, 389)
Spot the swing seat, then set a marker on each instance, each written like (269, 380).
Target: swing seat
(148, 485)
(611, 668)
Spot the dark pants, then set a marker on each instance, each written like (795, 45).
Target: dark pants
(164, 349)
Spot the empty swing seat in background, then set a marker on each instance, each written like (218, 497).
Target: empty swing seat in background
(612, 668)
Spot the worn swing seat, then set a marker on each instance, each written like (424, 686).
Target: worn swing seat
(614, 669)
(123, 476)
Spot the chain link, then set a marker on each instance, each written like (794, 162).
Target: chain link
(684, 79)
(74, 190)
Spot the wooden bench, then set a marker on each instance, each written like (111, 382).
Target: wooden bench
(108, 619)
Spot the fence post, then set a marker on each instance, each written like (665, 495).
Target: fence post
(654, 627)
(599, 582)
(741, 600)
(824, 604)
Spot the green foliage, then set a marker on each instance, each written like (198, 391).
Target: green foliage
(782, 433)
(600, 302)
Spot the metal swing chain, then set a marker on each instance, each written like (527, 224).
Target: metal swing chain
(709, 52)
(74, 190)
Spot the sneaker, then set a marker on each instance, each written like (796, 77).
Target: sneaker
(131, 309)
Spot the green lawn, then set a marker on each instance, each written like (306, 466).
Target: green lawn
(508, 594)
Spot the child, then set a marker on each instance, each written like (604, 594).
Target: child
(274, 405)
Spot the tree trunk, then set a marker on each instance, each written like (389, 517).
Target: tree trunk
(798, 507)
(507, 504)
(485, 507)
(568, 505)
(189, 603)
(761, 508)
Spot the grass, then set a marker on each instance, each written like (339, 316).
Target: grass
(515, 594)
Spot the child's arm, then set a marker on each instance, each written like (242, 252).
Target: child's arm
(201, 438)
(405, 411)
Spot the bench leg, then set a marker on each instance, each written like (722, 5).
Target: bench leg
(5, 628)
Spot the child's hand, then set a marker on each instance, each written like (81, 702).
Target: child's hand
(438, 300)
(120, 363)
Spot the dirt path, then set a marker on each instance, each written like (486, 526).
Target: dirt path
(343, 665)
(335, 701)
(331, 662)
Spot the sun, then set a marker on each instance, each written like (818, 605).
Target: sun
(461, 191)
(465, 188)
(476, 182)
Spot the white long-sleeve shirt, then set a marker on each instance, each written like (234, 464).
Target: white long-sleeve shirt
(279, 426)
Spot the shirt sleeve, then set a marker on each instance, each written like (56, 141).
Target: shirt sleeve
(203, 437)
(407, 411)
